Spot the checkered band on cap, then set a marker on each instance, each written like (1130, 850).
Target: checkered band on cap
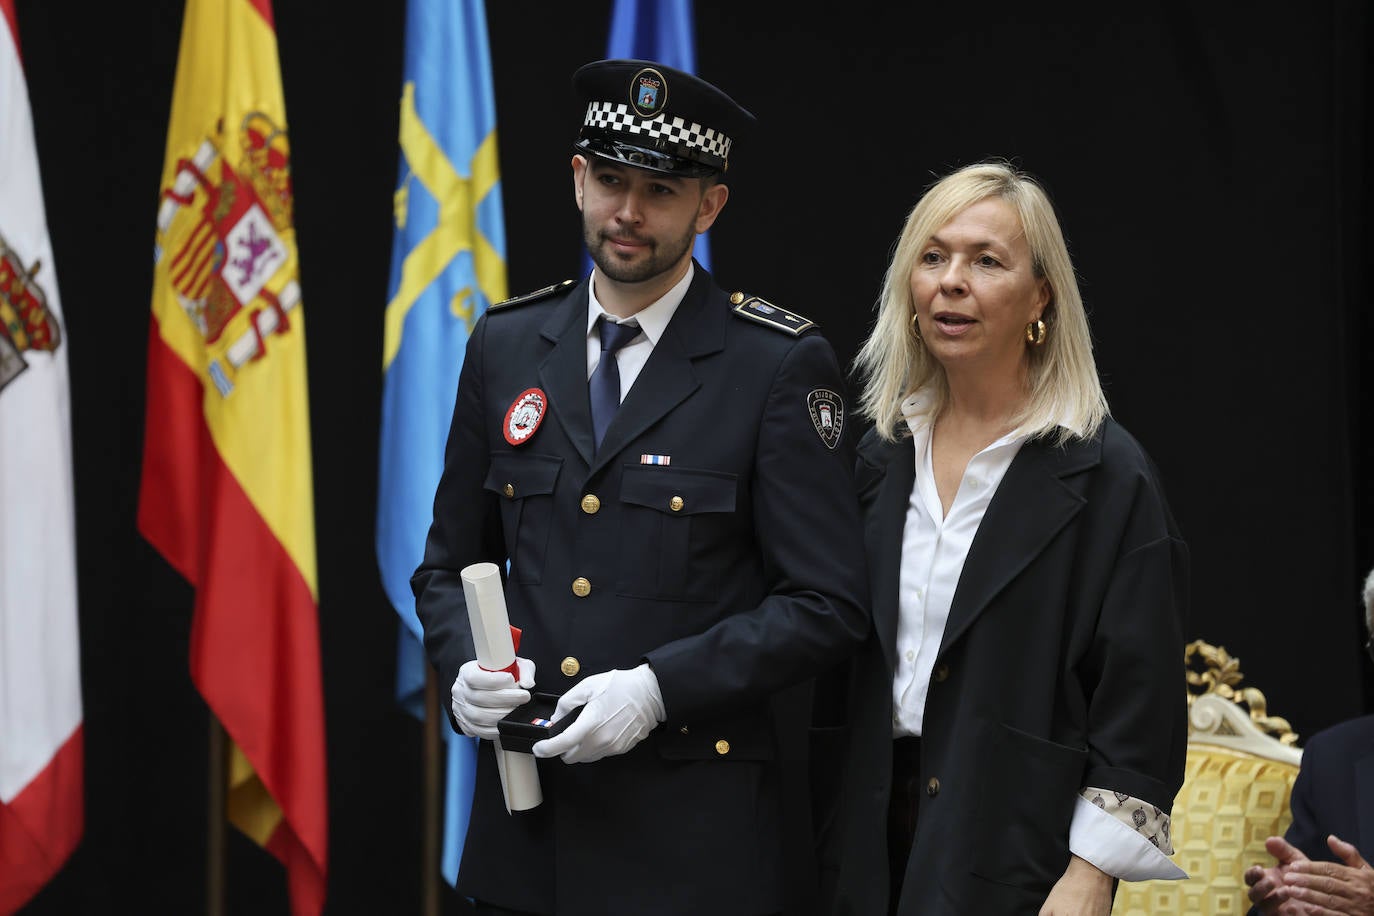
(617, 116)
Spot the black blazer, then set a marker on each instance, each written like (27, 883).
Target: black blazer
(1061, 666)
(736, 570)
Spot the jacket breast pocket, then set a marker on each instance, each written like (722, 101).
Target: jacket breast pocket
(524, 484)
(676, 535)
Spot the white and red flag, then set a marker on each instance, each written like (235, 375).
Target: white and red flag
(41, 770)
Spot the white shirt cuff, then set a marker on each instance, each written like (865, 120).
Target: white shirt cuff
(1115, 848)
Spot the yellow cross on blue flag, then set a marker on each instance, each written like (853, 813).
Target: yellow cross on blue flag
(448, 263)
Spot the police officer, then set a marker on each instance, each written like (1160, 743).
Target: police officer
(667, 468)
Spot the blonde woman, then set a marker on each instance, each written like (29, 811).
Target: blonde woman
(1015, 724)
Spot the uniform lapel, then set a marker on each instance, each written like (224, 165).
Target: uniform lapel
(563, 373)
(1032, 503)
(668, 377)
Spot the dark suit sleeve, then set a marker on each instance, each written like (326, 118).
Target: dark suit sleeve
(1304, 832)
(1307, 832)
(464, 529)
(807, 525)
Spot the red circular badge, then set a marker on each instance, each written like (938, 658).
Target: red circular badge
(525, 415)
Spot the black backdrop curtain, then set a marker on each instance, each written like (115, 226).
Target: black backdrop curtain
(1210, 165)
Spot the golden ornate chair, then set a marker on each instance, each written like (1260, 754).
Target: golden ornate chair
(1236, 784)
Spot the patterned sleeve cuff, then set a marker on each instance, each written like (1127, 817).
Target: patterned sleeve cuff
(1116, 847)
(1141, 816)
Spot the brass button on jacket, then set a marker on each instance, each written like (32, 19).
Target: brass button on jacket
(591, 504)
(570, 666)
(722, 747)
(933, 787)
(675, 504)
(581, 587)
(509, 490)
(941, 672)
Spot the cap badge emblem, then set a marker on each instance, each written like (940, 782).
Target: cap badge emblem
(648, 93)
(525, 415)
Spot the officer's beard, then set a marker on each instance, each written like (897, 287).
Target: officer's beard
(653, 261)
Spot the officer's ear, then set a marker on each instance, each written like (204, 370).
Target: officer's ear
(579, 167)
(713, 198)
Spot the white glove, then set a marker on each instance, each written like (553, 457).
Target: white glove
(482, 698)
(622, 707)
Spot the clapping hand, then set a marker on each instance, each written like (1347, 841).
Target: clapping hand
(1298, 886)
(1267, 888)
(1329, 887)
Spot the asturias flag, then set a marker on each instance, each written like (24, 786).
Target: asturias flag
(41, 812)
(447, 266)
(226, 495)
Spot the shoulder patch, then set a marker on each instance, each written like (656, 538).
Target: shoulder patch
(531, 297)
(764, 312)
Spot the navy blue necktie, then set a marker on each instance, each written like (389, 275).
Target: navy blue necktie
(604, 386)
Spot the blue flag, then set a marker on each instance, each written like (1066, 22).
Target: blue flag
(662, 31)
(448, 263)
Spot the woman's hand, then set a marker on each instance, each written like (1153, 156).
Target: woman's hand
(1084, 890)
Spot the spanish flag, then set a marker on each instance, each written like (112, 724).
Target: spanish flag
(226, 495)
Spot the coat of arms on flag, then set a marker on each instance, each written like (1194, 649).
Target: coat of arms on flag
(25, 321)
(220, 223)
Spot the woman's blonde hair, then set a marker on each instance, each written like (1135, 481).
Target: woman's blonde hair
(1066, 396)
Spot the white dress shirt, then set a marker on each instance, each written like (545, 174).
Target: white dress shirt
(934, 548)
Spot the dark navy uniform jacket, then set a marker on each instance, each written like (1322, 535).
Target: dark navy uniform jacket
(735, 569)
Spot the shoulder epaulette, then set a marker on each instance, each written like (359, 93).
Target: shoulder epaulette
(531, 297)
(764, 312)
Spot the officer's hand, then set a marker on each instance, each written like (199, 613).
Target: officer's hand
(482, 698)
(622, 707)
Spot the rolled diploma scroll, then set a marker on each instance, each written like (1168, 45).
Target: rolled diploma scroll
(496, 652)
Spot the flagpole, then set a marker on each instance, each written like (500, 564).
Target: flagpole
(433, 802)
(218, 778)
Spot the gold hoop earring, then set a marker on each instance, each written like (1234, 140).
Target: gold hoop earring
(916, 328)
(1035, 333)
